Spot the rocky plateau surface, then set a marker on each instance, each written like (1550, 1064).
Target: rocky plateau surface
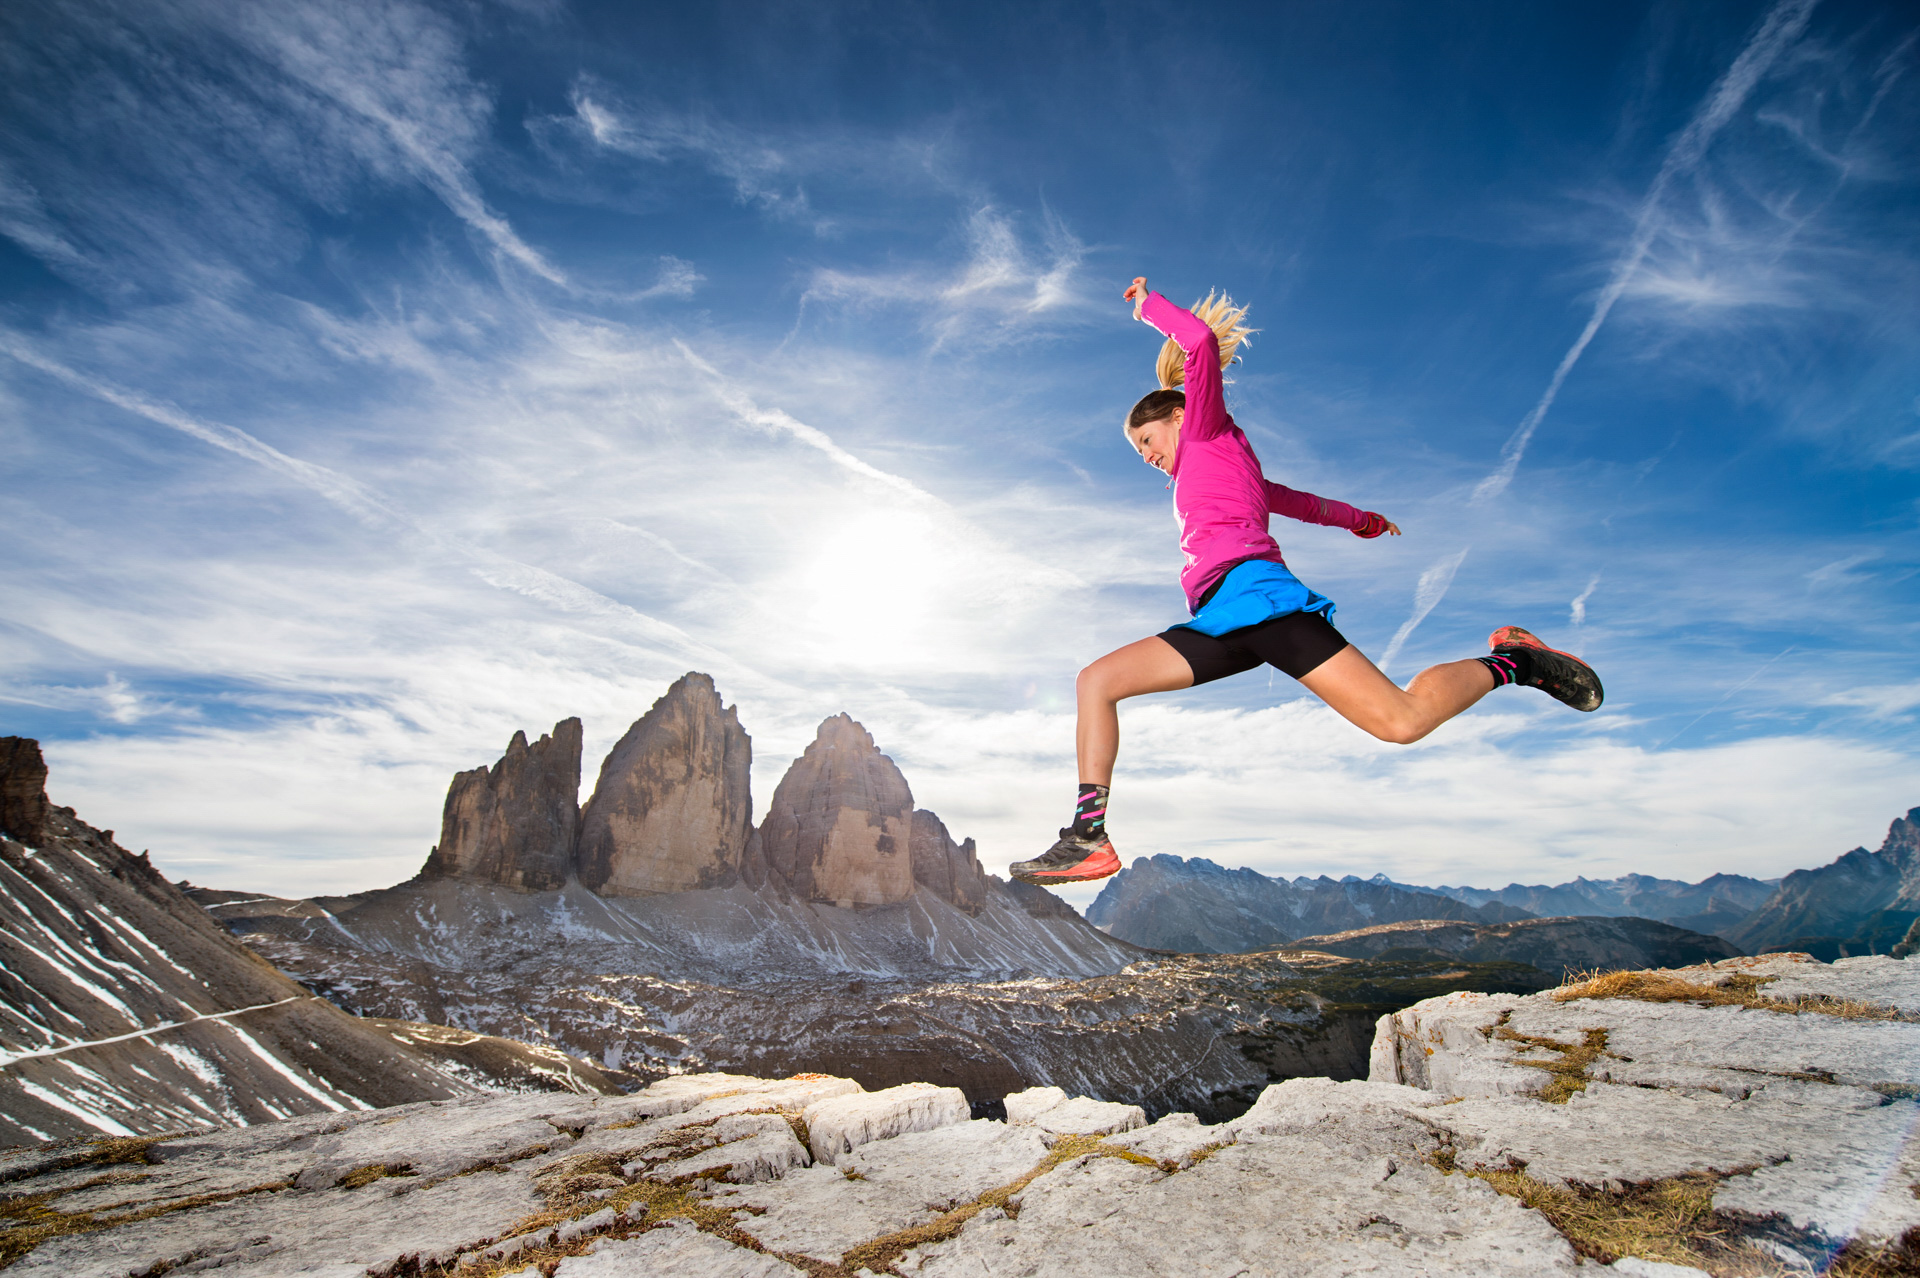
(1751, 1117)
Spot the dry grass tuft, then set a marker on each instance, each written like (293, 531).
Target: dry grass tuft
(1570, 1068)
(1899, 1259)
(1739, 990)
(26, 1220)
(1672, 1221)
(366, 1175)
(878, 1254)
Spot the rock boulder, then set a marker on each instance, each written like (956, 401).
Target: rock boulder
(515, 824)
(672, 810)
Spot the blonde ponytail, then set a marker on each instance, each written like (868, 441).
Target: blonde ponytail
(1228, 323)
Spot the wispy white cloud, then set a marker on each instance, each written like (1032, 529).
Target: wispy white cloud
(399, 69)
(382, 515)
(1781, 27)
(1883, 702)
(1005, 286)
(234, 109)
(762, 173)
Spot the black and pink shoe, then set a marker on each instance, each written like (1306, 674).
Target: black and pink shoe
(1074, 859)
(1560, 675)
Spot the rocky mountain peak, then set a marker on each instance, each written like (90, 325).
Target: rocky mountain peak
(950, 871)
(514, 824)
(840, 827)
(672, 809)
(23, 790)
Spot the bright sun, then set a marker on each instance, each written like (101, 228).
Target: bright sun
(873, 584)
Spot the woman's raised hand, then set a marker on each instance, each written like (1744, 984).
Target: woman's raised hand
(1137, 293)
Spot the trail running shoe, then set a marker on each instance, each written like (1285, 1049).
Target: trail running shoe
(1560, 675)
(1072, 860)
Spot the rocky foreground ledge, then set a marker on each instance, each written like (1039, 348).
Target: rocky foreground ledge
(1756, 1116)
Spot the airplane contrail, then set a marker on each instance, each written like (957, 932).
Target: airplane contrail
(1781, 27)
(1431, 589)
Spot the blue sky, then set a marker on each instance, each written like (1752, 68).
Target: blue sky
(379, 378)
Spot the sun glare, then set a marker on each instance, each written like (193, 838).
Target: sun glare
(873, 586)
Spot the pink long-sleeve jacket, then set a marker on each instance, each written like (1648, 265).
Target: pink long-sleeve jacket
(1220, 496)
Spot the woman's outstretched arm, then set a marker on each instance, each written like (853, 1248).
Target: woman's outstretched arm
(1309, 509)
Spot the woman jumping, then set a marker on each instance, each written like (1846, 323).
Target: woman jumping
(1247, 607)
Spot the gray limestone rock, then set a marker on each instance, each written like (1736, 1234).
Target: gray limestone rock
(1808, 1116)
(514, 825)
(1052, 1111)
(1802, 1118)
(838, 1125)
(672, 808)
(1315, 1198)
(678, 1249)
(840, 825)
(884, 1187)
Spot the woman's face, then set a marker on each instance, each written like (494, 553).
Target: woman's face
(1157, 440)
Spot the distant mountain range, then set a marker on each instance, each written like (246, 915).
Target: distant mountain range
(1862, 903)
(1716, 902)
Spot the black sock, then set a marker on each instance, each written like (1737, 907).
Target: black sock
(1511, 666)
(1090, 811)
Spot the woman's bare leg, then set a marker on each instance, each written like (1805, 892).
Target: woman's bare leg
(1366, 698)
(1151, 665)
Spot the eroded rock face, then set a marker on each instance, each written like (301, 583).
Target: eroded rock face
(23, 790)
(672, 809)
(515, 824)
(840, 826)
(951, 871)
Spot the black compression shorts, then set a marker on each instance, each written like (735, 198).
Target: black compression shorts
(1297, 643)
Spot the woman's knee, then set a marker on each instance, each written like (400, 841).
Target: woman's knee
(1095, 680)
(1396, 730)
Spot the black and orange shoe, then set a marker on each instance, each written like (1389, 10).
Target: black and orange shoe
(1074, 859)
(1560, 675)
